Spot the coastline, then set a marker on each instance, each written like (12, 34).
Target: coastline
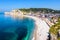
(39, 29)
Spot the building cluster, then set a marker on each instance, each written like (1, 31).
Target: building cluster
(52, 17)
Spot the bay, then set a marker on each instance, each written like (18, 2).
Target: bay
(16, 28)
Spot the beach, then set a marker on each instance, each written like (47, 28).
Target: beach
(41, 29)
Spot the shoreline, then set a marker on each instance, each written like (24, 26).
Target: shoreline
(40, 31)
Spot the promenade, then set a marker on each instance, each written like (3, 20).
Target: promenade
(48, 22)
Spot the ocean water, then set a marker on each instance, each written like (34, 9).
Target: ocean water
(16, 28)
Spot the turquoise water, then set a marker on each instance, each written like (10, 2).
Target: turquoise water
(16, 28)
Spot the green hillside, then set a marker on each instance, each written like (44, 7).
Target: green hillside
(46, 10)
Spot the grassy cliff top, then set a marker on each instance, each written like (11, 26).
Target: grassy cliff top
(54, 29)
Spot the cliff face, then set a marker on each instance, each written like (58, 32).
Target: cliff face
(53, 37)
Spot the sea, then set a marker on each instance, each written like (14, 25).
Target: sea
(15, 28)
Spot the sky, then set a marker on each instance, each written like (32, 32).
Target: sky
(16, 4)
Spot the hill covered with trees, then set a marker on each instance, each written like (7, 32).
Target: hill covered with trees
(45, 10)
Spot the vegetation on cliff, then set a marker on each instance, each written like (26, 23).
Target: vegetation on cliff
(55, 28)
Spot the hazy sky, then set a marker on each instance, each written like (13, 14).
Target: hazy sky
(14, 4)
